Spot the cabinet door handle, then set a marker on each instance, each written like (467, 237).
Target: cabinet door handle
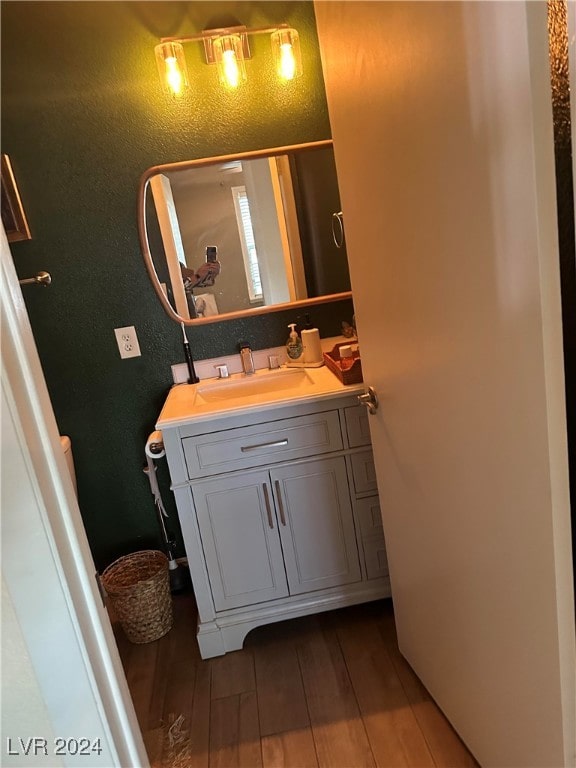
(274, 444)
(268, 508)
(280, 504)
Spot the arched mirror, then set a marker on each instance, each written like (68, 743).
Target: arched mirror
(244, 234)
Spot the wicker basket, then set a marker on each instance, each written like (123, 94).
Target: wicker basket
(138, 586)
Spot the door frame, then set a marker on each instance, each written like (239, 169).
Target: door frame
(60, 547)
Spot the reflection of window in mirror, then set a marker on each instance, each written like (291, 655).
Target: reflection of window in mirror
(247, 242)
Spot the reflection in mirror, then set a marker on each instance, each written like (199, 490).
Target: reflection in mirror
(243, 233)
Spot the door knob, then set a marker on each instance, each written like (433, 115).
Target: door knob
(369, 399)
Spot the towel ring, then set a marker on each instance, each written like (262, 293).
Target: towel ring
(338, 229)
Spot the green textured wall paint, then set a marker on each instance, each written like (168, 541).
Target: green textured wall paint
(82, 118)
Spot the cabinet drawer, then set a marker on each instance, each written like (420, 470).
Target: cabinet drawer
(368, 516)
(255, 446)
(375, 558)
(357, 429)
(363, 472)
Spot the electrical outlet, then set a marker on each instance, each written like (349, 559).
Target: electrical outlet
(127, 342)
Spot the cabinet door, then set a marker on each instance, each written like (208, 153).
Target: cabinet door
(357, 427)
(316, 525)
(240, 538)
(363, 472)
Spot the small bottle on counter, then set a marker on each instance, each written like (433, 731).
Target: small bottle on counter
(346, 357)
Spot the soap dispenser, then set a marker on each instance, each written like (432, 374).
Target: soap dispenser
(294, 348)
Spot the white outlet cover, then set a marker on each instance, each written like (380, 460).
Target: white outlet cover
(127, 342)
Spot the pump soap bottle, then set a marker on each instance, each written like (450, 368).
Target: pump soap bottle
(294, 348)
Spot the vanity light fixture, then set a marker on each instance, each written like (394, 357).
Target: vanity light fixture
(228, 48)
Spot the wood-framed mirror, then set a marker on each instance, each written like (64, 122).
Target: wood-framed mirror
(273, 217)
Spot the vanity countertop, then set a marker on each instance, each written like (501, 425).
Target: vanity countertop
(241, 394)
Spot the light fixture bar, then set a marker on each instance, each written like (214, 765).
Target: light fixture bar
(228, 48)
(206, 33)
(207, 36)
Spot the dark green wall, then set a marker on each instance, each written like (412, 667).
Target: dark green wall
(82, 118)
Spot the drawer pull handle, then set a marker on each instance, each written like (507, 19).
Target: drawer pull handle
(274, 444)
(280, 504)
(268, 508)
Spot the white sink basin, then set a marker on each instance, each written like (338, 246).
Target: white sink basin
(240, 394)
(285, 380)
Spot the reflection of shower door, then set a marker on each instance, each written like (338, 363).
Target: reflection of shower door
(316, 197)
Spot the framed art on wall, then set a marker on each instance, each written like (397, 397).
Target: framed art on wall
(13, 216)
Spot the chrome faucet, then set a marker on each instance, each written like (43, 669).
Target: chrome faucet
(246, 358)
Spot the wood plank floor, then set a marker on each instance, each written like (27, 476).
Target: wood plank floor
(330, 690)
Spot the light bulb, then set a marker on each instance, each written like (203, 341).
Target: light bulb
(286, 51)
(286, 63)
(172, 67)
(230, 67)
(229, 58)
(173, 76)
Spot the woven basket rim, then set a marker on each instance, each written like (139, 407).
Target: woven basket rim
(148, 556)
(149, 553)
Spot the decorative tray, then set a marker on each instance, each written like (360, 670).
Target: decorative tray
(352, 375)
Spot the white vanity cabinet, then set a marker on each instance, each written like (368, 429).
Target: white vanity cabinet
(279, 513)
(286, 531)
